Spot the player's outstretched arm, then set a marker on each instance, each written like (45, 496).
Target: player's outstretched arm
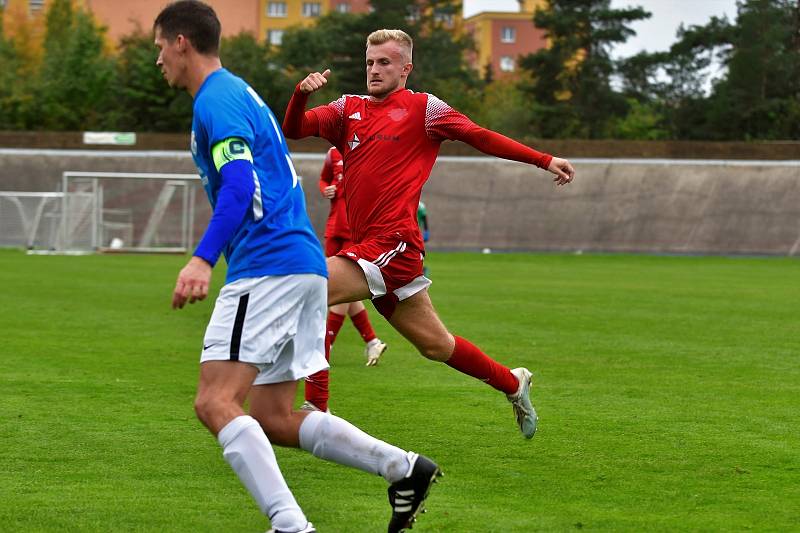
(493, 143)
(444, 122)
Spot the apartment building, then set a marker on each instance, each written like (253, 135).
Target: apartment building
(122, 18)
(502, 37)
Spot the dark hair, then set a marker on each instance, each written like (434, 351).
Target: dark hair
(194, 20)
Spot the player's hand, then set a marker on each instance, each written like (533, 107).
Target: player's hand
(314, 81)
(193, 282)
(562, 169)
(329, 192)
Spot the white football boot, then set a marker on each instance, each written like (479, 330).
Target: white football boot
(521, 402)
(373, 351)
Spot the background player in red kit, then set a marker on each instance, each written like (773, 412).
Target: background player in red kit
(389, 140)
(337, 237)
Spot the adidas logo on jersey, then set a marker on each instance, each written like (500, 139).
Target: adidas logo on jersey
(354, 143)
(356, 115)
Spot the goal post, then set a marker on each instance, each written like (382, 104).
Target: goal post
(127, 212)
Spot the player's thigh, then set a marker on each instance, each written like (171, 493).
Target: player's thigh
(346, 281)
(225, 380)
(221, 392)
(416, 319)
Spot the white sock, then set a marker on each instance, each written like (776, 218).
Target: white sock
(246, 448)
(334, 439)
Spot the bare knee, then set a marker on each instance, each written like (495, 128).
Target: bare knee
(436, 349)
(211, 411)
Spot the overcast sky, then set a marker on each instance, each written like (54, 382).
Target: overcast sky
(653, 34)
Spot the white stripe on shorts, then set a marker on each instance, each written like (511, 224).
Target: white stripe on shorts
(385, 257)
(374, 278)
(407, 291)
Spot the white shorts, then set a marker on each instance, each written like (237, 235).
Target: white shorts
(275, 323)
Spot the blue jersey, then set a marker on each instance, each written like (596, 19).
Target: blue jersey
(275, 237)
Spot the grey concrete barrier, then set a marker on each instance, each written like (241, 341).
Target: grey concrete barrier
(614, 205)
(652, 206)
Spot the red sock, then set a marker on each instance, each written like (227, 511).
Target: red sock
(332, 328)
(470, 360)
(361, 322)
(316, 389)
(317, 384)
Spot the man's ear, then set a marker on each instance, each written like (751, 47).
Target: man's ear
(181, 43)
(407, 68)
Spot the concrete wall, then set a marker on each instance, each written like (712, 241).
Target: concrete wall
(572, 148)
(659, 206)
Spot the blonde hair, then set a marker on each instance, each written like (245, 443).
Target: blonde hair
(399, 36)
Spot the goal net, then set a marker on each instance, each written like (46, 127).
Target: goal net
(29, 219)
(128, 212)
(107, 212)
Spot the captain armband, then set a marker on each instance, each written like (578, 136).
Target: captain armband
(230, 149)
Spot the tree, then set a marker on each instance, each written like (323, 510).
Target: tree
(571, 79)
(505, 108)
(9, 65)
(756, 96)
(144, 101)
(77, 73)
(20, 59)
(758, 99)
(256, 64)
(644, 121)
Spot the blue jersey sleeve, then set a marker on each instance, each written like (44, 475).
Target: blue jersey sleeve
(233, 200)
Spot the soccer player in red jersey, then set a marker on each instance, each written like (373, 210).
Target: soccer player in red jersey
(337, 237)
(389, 140)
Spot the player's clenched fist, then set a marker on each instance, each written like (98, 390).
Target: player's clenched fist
(315, 81)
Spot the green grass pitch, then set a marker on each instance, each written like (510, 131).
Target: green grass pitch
(668, 390)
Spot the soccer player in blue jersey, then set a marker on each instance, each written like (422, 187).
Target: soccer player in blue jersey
(268, 325)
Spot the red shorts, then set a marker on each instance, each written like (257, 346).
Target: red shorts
(393, 269)
(333, 245)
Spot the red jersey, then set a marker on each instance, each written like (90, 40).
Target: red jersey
(389, 148)
(332, 174)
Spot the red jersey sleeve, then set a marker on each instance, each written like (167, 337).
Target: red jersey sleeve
(323, 121)
(443, 122)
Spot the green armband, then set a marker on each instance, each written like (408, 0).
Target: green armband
(230, 149)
